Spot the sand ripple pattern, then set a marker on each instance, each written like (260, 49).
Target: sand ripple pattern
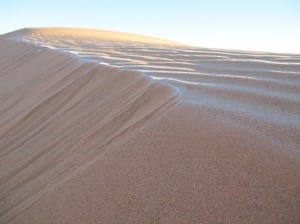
(262, 89)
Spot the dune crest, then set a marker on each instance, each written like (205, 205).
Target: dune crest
(89, 34)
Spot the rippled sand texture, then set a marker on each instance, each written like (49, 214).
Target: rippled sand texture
(145, 131)
(263, 89)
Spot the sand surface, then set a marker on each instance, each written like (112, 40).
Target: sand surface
(106, 127)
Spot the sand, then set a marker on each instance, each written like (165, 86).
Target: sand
(100, 127)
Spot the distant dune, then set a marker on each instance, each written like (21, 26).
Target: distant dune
(108, 127)
(88, 34)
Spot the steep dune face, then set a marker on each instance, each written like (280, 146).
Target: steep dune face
(59, 114)
(214, 140)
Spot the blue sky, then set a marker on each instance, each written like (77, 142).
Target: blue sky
(269, 25)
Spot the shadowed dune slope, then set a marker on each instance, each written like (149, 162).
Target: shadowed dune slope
(215, 140)
(58, 114)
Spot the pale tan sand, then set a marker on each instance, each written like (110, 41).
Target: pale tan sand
(90, 34)
(88, 143)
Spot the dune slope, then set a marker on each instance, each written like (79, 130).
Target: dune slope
(58, 115)
(214, 139)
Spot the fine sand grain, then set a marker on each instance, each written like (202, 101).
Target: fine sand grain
(104, 127)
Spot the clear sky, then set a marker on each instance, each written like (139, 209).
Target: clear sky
(269, 25)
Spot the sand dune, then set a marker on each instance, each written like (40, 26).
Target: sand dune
(106, 127)
(88, 34)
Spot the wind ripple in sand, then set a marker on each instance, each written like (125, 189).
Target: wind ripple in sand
(263, 88)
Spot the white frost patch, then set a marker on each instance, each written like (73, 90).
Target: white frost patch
(182, 81)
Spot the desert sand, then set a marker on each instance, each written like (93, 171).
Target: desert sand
(109, 127)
